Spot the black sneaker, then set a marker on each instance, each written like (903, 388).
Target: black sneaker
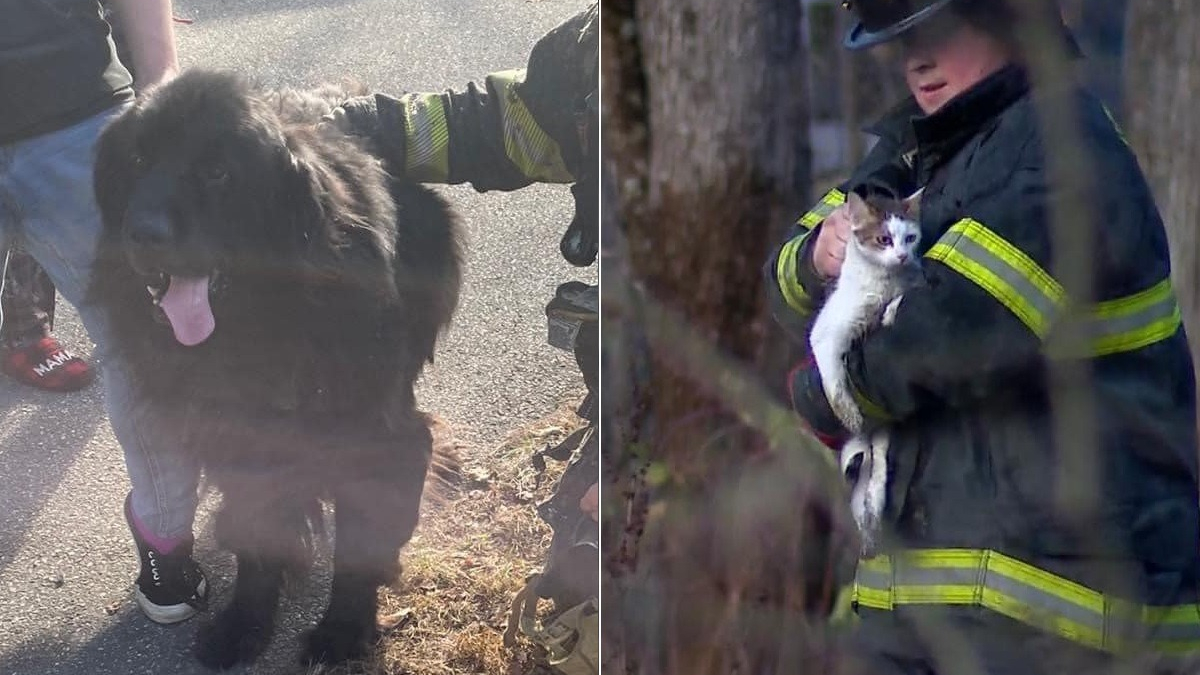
(172, 587)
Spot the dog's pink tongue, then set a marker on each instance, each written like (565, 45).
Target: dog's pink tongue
(186, 306)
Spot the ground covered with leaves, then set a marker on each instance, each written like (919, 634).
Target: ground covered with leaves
(478, 539)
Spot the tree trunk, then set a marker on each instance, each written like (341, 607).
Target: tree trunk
(848, 79)
(712, 157)
(1162, 76)
(706, 136)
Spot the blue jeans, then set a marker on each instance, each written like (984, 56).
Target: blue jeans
(46, 202)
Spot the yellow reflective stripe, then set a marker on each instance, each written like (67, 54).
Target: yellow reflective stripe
(535, 154)
(427, 138)
(1003, 270)
(1026, 593)
(785, 265)
(1038, 300)
(788, 280)
(832, 199)
(1135, 321)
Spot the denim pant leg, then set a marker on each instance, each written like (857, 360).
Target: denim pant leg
(50, 183)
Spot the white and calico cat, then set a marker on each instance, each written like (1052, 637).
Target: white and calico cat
(879, 265)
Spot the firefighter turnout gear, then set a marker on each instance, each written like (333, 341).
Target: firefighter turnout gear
(882, 20)
(522, 126)
(879, 21)
(962, 378)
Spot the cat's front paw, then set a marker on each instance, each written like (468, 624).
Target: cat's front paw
(874, 495)
(889, 312)
(846, 409)
(868, 540)
(868, 509)
(867, 524)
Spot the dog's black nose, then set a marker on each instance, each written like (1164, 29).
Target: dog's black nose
(148, 229)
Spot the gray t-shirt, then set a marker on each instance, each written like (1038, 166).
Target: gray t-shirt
(58, 66)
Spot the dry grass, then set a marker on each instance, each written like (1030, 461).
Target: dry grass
(471, 553)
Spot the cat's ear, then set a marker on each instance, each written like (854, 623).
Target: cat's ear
(860, 211)
(912, 205)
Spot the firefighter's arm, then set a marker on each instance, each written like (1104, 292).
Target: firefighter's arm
(809, 402)
(519, 127)
(483, 135)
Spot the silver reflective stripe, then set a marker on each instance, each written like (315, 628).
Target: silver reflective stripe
(909, 575)
(1103, 327)
(870, 578)
(1044, 600)
(1019, 283)
(1033, 296)
(1176, 631)
(427, 156)
(533, 151)
(1121, 629)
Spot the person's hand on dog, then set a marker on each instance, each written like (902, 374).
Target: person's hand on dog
(359, 116)
(356, 116)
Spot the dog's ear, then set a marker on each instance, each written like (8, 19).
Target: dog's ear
(333, 219)
(304, 190)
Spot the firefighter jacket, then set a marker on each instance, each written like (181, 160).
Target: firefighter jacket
(962, 379)
(522, 126)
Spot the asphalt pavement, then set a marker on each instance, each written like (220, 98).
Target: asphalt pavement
(66, 558)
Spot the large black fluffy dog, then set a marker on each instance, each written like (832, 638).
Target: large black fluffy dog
(276, 294)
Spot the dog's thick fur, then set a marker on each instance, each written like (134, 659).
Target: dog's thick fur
(329, 283)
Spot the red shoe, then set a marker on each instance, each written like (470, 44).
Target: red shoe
(46, 364)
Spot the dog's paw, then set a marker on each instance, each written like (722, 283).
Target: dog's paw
(230, 640)
(335, 642)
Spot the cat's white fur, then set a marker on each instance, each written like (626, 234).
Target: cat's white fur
(871, 280)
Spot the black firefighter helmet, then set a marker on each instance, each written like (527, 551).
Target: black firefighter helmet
(879, 21)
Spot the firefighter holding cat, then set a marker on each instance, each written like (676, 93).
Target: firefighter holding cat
(979, 545)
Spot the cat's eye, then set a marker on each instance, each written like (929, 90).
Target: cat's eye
(910, 238)
(883, 240)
